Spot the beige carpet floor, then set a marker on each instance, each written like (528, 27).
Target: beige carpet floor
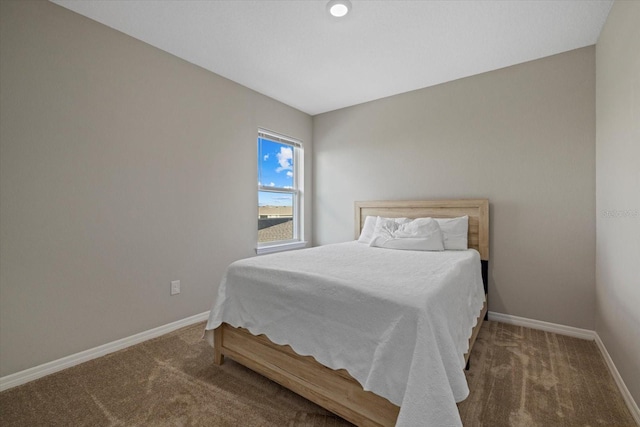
(518, 377)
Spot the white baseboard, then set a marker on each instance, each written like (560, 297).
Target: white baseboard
(626, 394)
(584, 334)
(577, 333)
(40, 371)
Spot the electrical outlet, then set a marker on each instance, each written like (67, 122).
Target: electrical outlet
(175, 287)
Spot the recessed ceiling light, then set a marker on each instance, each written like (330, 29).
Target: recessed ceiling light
(339, 8)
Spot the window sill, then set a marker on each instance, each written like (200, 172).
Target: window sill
(261, 250)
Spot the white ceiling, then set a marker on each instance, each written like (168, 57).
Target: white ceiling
(295, 52)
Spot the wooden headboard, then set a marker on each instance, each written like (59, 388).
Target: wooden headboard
(476, 209)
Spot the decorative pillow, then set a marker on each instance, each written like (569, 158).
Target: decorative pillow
(454, 232)
(422, 234)
(370, 224)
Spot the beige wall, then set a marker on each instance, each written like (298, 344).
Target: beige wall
(121, 168)
(618, 190)
(523, 136)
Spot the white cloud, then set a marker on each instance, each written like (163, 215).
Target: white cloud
(284, 159)
(272, 184)
(266, 157)
(289, 173)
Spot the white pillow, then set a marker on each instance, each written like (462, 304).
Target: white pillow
(454, 232)
(370, 224)
(367, 230)
(422, 234)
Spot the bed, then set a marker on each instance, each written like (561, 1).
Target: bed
(368, 388)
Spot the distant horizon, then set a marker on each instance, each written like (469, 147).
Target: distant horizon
(274, 197)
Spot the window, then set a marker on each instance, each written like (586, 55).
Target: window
(280, 166)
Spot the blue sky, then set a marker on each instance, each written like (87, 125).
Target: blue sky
(275, 169)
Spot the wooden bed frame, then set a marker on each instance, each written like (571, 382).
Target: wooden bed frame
(336, 390)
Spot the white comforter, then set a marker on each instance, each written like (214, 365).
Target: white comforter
(397, 321)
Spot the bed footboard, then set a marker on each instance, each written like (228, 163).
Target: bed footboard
(334, 390)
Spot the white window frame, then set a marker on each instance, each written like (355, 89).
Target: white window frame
(297, 192)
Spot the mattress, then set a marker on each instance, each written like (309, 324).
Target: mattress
(397, 321)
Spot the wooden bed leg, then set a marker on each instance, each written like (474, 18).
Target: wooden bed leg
(218, 357)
